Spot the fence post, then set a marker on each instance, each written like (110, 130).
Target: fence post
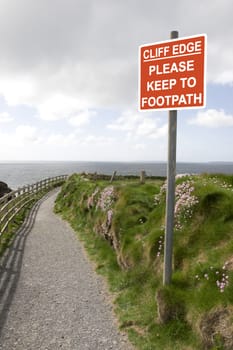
(142, 177)
(18, 200)
(113, 176)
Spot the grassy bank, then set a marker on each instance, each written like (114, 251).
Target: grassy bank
(122, 226)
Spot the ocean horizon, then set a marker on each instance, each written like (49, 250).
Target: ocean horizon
(19, 173)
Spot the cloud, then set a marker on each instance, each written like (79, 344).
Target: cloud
(97, 140)
(213, 118)
(60, 140)
(66, 59)
(77, 50)
(138, 125)
(5, 117)
(58, 106)
(74, 139)
(150, 129)
(128, 121)
(30, 143)
(139, 146)
(17, 89)
(26, 134)
(81, 118)
(22, 137)
(202, 17)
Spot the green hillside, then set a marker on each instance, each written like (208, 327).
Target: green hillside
(122, 226)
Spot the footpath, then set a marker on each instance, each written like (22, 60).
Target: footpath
(50, 296)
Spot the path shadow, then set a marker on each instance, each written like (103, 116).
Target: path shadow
(11, 262)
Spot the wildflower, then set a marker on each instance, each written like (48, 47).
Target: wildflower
(185, 200)
(106, 198)
(160, 246)
(109, 217)
(222, 278)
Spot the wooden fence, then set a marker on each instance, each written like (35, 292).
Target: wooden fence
(15, 202)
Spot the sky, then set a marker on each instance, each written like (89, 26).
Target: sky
(69, 80)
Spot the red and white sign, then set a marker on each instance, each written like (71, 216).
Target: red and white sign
(172, 74)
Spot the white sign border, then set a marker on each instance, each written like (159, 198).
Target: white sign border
(164, 42)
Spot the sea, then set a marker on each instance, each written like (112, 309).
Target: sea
(18, 174)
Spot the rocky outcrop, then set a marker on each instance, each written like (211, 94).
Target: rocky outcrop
(4, 189)
(216, 329)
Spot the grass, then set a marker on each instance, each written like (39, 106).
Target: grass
(125, 239)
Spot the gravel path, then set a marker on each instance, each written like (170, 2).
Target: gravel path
(50, 297)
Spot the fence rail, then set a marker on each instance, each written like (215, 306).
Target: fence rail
(15, 202)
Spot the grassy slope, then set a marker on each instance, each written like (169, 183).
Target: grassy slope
(202, 245)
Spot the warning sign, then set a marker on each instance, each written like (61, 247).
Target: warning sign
(172, 74)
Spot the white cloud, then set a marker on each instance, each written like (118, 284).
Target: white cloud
(219, 61)
(58, 140)
(17, 89)
(160, 132)
(128, 121)
(139, 125)
(139, 146)
(150, 129)
(81, 118)
(96, 140)
(58, 106)
(5, 117)
(213, 118)
(23, 137)
(26, 134)
(146, 127)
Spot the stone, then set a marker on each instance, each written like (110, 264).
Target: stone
(4, 189)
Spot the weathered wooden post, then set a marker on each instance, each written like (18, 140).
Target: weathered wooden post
(142, 177)
(113, 176)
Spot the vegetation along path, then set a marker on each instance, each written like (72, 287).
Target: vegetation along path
(50, 297)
